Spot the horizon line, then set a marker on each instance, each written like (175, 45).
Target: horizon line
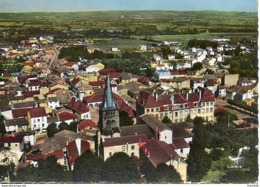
(210, 10)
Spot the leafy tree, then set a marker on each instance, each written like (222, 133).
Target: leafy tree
(251, 162)
(197, 66)
(52, 129)
(47, 171)
(165, 51)
(149, 72)
(63, 126)
(2, 125)
(199, 131)
(198, 160)
(124, 119)
(166, 119)
(120, 168)
(73, 126)
(164, 174)
(188, 119)
(88, 168)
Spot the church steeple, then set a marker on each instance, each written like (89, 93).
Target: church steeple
(108, 99)
(108, 111)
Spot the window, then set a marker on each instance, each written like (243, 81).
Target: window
(38, 120)
(203, 111)
(198, 111)
(176, 114)
(191, 111)
(110, 153)
(132, 147)
(211, 109)
(211, 103)
(181, 113)
(152, 110)
(157, 109)
(207, 104)
(165, 137)
(148, 110)
(207, 110)
(132, 154)
(15, 145)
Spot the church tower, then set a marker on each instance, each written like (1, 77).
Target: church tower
(108, 111)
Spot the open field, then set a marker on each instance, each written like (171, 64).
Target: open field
(177, 20)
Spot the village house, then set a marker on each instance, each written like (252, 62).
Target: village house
(178, 106)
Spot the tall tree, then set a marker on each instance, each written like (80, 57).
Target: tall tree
(2, 125)
(120, 168)
(52, 129)
(164, 174)
(124, 119)
(88, 168)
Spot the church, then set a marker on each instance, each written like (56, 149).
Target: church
(150, 138)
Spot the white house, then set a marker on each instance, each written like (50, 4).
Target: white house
(53, 102)
(184, 65)
(38, 119)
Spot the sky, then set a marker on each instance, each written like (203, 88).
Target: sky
(103, 5)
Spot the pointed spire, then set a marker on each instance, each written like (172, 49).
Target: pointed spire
(108, 99)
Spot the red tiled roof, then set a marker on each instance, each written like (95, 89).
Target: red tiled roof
(97, 83)
(37, 112)
(75, 81)
(165, 80)
(147, 100)
(104, 72)
(206, 95)
(30, 94)
(70, 64)
(125, 140)
(23, 79)
(180, 143)
(179, 72)
(143, 79)
(64, 116)
(53, 91)
(20, 112)
(11, 138)
(158, 152)
(35, 82)
(39, 156)
(78, 106)
(114, 75)
(98, 98)
(179, 99)
(73, 152)
(87, 123)
(29, 63)
(193, 97)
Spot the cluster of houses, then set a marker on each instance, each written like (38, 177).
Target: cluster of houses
(94, 97)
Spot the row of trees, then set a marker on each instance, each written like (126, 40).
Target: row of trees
(202, 43)
(244, 106)
(88, 168)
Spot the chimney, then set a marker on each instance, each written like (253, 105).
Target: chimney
(78, 144)
(187, 96)
(172, 99)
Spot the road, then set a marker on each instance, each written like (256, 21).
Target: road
(240, 113)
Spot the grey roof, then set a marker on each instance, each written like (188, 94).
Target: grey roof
(154, 123)
(53, 99)
(24, 104)
(108, 100)
(58, 142)
(181, 129)
(137, 130)
(19, 121)
(52, 119)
